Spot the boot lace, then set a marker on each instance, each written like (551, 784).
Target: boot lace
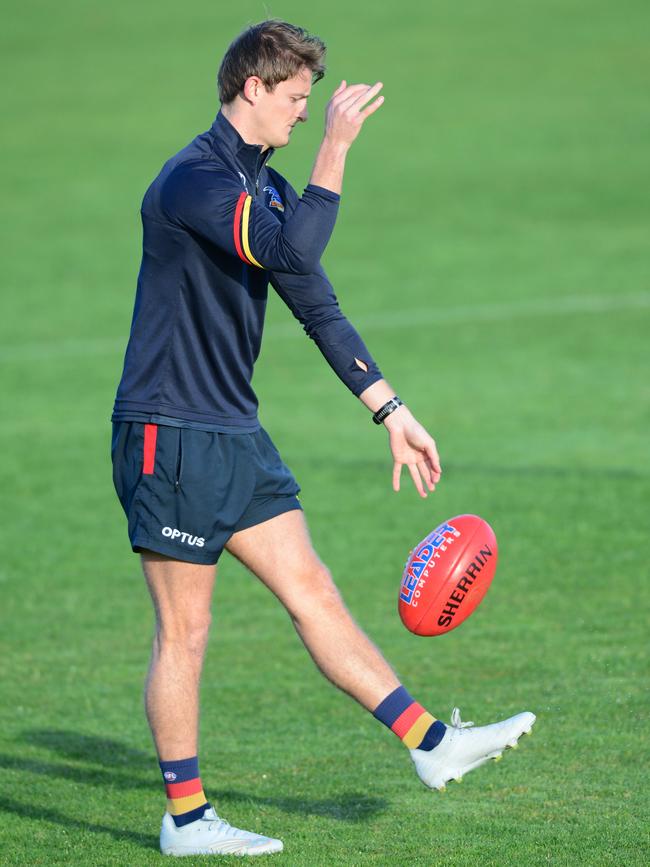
(217, 824)
(456, 721)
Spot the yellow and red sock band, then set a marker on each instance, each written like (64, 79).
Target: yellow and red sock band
(241, 230)
(412, 723)
(186, 800)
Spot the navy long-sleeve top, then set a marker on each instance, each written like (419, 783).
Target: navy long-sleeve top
(219, 224)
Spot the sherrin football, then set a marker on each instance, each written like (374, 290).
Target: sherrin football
(447, 575)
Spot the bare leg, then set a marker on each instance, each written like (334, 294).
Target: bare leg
(280, 553)
(181, 594)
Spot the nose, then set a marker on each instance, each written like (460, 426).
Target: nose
(304, 114)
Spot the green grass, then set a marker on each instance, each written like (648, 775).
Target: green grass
(492, 249)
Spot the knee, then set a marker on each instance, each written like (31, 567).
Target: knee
(318, 594)
(188, 634)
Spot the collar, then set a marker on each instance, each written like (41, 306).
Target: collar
(249, 156)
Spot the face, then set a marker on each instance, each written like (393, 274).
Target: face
(277, 112)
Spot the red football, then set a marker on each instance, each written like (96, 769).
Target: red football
(447, 575)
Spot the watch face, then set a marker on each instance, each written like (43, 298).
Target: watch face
(391, 405)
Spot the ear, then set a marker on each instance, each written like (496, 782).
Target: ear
(253, 87)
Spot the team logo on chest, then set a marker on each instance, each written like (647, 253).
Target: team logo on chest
(275, 201)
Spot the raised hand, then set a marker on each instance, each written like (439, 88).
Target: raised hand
(345, 114)
(347, 110)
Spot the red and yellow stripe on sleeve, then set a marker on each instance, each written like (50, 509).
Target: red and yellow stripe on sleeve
(241, 230)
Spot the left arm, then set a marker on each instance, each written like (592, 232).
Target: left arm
(409, 442)
(312, 301)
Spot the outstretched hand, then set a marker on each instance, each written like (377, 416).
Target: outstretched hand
(412, 446)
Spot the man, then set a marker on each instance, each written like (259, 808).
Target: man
(194, 470)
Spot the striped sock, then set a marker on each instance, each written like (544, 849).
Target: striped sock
(410, 721)
(185, 799)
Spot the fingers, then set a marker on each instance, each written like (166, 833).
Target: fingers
(397, 471)
(371, 109)
(433, 458)
(371, 93)
(348, 93)
(426, 471)
(421, 473)
(358, 95)
(417, 481)
(345, 113)
(417, 450)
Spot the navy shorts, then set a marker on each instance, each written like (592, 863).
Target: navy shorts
(186, 491)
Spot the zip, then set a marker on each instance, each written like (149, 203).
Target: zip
(265, 159)
(179, 460)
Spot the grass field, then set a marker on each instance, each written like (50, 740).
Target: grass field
(493, 251)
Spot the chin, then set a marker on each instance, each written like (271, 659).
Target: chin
(283, 141)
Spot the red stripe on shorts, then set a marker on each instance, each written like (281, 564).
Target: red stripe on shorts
(150, 435)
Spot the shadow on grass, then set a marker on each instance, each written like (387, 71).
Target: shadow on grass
(75, 773)
(117, 766)
(90, 748)
(36, 812)
(346, 807)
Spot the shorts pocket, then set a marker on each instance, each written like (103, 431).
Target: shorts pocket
(127, 448)
(178, 471)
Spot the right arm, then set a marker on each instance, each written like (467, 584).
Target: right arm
(210, 201)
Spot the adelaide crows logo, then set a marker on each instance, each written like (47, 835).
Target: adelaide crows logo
(275, 201)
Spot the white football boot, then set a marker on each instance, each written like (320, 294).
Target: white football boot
(464, 748)
(211, 835)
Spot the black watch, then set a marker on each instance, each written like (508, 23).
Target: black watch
(390, 406)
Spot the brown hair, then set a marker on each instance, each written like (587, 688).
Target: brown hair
(274, 51)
